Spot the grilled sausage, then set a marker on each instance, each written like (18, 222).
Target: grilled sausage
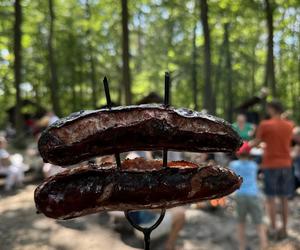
(139, 184)
(87, 134)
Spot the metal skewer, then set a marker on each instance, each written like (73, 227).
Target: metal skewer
(107, 94)
(167, 89)
(166, 103)
(146, 231)
(109, 106)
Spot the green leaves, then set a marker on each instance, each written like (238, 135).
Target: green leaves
(161, 33)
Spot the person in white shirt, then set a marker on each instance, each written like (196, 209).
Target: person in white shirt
(13, 172)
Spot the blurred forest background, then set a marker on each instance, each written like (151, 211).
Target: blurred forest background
(55, 53)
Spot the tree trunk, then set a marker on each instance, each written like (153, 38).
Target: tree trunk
(125, 55)
(270, 71)
(36, 89)
(218, 77)
(74, 96)
(139, 44)
(91, 59)
(80, 96)
(194, 70)
(93, 81)
(18, 64)
(229, 94)
(54, 91)
(72, 70)
(208, 92)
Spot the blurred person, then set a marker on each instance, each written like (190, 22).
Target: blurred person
(248, 201)
(243, 128)
(276, 133)
(10, 166)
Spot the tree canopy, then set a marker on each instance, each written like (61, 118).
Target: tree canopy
(68, 46)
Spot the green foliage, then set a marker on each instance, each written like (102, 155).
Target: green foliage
(160, 39)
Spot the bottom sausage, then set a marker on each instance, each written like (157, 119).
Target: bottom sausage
(139, 184)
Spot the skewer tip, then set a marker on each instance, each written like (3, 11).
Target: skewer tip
(167, 88)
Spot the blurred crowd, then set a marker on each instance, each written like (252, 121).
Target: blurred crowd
(269, 155)
(14, 165)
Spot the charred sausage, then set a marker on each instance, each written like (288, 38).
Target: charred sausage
(87, 134)
(140, 184)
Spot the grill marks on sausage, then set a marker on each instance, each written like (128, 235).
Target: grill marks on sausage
(102, 121)
(91, 189)
(138, 184)
(83, 136)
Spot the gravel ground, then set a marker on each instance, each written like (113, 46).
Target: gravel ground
(22, 229)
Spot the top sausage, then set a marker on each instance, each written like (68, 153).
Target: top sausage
(87, 134)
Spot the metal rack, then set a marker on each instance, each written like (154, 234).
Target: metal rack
(146, 231)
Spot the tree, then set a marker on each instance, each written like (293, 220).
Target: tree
(253, 70)
(54, 91)
(18, 63)
(194, 69)
(229, 94)
(125, 53)
(91, 57)
(270, 71)
(87, 44)
(208, 91)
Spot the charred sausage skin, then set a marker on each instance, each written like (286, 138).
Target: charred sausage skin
(87, 134)
(139, 184)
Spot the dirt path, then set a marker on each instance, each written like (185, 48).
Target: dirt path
(22, 229)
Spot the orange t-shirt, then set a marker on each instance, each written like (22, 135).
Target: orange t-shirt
(277, 134)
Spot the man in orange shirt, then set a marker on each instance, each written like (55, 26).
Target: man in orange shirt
(276, 133)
